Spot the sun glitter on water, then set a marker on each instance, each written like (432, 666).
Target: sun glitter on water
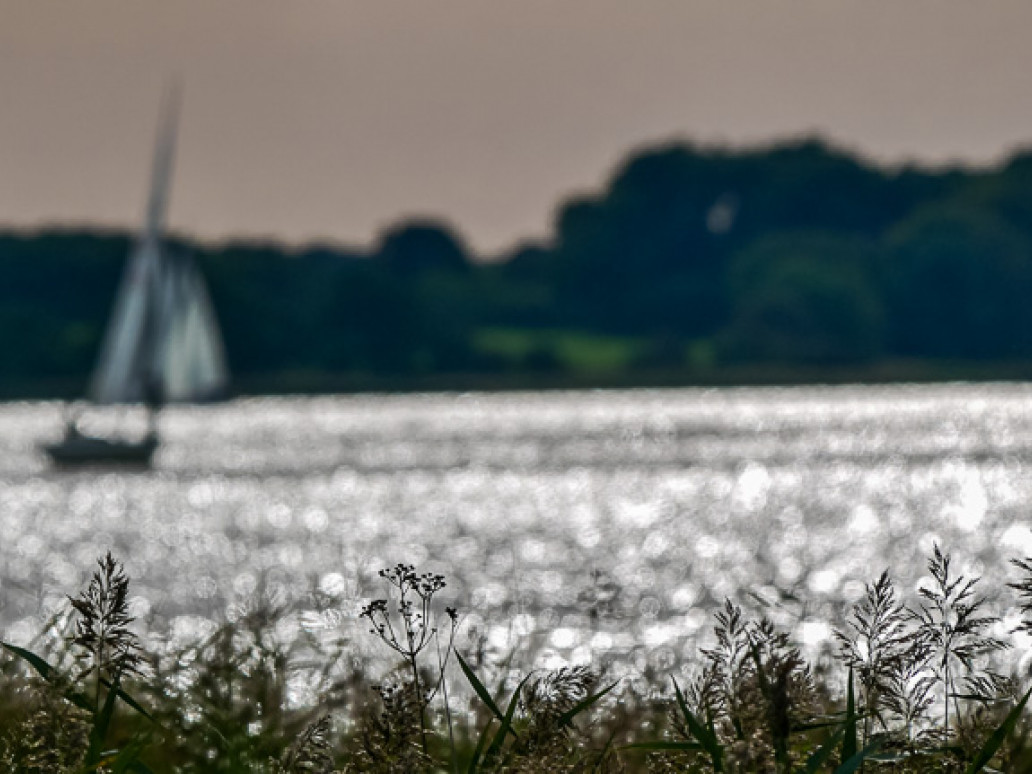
(608, 524)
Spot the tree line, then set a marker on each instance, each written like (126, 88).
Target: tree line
(689, 260)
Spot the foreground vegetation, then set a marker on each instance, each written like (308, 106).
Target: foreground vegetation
(907, 688)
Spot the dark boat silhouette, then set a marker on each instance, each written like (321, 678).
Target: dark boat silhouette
(162, 343)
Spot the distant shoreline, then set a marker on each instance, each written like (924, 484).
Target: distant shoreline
(753, 375)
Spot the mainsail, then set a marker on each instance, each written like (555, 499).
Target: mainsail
(163, 342)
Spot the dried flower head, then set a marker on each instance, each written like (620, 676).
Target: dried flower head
(407, 625)
(102, 628)
(952, 623)
(875, 642)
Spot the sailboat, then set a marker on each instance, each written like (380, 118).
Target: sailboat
(162, 343)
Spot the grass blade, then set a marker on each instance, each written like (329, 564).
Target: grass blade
(604, 752)
(478, 686)
(510, 711)
(849, 745)
(49, 674)
(474, 762)
(567, 717)
(489, 702)
(821, 755)
(44, 669)
(101, 723)
(129, 700)
(1002, 731)
(706, 737)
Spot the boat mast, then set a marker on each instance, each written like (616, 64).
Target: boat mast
(161, 175)
(152, 386)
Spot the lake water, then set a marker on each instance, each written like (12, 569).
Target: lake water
(576, 525)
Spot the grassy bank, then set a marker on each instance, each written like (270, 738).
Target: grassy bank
(907, 688)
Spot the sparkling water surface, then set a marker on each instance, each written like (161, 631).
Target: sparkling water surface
(573, 525)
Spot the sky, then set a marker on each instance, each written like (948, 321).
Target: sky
(329, 120)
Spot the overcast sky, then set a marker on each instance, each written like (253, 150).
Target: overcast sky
(329, 119)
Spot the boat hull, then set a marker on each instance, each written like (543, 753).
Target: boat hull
(86, 451)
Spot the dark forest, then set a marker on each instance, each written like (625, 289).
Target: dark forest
(794, 262)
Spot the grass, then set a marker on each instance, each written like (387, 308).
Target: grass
(908, 688)
(567, 350)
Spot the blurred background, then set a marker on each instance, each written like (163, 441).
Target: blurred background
(447, 200)
(584, 193)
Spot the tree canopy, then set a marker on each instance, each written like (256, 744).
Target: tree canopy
(688, 259)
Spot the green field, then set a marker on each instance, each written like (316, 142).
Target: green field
(567, 350)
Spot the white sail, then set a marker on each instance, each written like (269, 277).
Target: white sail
(188, 354)
(163, 342)
(122, 373)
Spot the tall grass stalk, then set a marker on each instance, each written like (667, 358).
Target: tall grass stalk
(951, 620)
(874, 645)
